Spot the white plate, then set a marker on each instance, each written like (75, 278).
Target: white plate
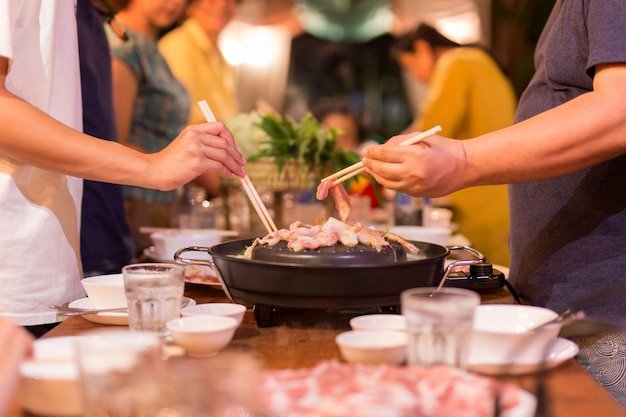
(112, 317)
(560, 351)
(194, 274)
(201, 274)
(458, 240)
(152, 253)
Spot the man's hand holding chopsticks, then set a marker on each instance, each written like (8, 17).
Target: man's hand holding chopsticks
(434, 167)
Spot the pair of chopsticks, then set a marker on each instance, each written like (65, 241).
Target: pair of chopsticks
(356, 169)
(253, 195)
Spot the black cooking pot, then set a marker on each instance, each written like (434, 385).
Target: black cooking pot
(308, 285)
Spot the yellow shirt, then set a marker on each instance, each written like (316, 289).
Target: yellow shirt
(202, 69)
(469, 96)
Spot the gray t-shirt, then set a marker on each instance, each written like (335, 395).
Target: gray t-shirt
(568, 234)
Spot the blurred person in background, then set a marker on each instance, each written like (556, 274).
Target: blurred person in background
(340, 114)
(565, 162)
(192, 53)
(351, 136)
(151, 105)
(468, 95)
(106, 244)
(44, 156)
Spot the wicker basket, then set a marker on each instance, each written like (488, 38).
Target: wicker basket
(292, 177)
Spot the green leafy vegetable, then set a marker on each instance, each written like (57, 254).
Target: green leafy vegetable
(305, 141)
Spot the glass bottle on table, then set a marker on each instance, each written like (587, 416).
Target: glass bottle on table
(407, 210)
(193, 210)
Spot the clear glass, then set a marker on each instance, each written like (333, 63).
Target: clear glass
(125, 374)
(439, 324)
(121, 373)
(194, 210)
(154, 292)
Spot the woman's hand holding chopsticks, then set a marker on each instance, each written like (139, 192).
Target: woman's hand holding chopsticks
(197, 149)
(246, 184)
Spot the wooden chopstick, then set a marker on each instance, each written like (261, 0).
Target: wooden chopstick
(346, 170)
(356, 169)
(349, 175)
(249, 189)
(257, 202)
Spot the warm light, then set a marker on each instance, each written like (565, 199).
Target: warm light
(233, 50)
(458, 20)
(253, 45)
(260, 43)
(462, 28)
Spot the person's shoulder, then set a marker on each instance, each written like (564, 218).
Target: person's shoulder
(178, 47)
(174, 36)
(186, 36)
(121, 47)
(465, 57)
(466, 53)
(132, 52)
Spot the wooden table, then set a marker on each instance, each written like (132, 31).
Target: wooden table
(302, 338)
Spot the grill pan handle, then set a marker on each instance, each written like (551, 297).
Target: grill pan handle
(186, 261)
(461, 262)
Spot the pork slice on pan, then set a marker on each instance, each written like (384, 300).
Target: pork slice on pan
(342, 201)
(340, 195)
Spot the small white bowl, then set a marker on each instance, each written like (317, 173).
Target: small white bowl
(166, 244)
(379, 322)
(49, 382)
(233, 310)
(436, 235)
(502, 333)
(373, 346)
(202, 335)
(105, 291)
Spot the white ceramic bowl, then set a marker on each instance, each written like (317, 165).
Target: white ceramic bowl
(373, 346)
(379, 322)
(167, 243)
(436, 235)
(233, 310)
(49, 382)
(202, 335)
(503, 334)
(105, 291)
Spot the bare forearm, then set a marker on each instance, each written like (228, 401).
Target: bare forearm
(30, 136)
(581, 133)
